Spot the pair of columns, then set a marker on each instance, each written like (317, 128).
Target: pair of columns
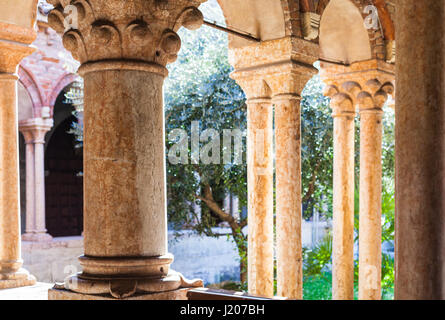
(273, 89)
(364, 86)
(14, 41)
(34, 131)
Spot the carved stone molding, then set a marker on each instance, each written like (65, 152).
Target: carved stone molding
(274, 67)
(365, 85)
(34, 130)
(143, 30)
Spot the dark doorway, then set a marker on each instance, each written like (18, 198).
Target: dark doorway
(64, 182)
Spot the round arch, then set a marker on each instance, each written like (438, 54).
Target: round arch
(63, 168)
(343, 36)
(64, 81)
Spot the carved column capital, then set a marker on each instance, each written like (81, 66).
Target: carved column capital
(34, 130)
(274, 68)
(14, 41)
(363, 85)
(138, 30)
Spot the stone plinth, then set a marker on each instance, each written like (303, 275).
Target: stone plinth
(60, 294)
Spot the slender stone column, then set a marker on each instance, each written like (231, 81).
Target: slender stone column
(367, 85)
(370, 238)
(288, 196)
(287, 97)
(277, 71)
(370, 104)
(11, 53)
(34, 131)
(123, 61)
(260, 192)
(30, 186)
(420, 132)
(343, 206)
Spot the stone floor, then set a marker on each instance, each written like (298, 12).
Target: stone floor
(36, 292)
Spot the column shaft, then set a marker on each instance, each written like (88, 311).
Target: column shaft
(288, 196)
(420, 123)
(124, 163)
(30, 189)
(343, 209)
(10, 260)
(370, 233)
(39, 170)
(260, 194)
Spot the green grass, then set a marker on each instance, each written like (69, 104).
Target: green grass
(320, 288)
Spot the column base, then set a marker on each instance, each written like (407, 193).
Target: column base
(87, 287)
(63, 294)
(37, 237)
(21, 278)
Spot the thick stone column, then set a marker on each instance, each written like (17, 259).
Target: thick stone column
(420, 105)
(123, 59)
(34, 131)
(13, 48)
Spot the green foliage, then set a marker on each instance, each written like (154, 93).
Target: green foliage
(317, 260)
(318, 287)
(200, 89)
(316, 150)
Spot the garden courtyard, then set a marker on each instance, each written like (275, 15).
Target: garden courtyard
(271, 148)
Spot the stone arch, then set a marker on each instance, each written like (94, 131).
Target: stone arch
(28, 81)
(265, 19)
(343, 37)
(376, 37)
(64, 81)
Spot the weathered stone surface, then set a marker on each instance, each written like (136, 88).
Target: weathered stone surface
(420, 207)
(34, 131)
(123, 55)
(363, 85)
(57, 294)
(15, 36)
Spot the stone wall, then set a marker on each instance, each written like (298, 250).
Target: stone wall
(52, 261)
(211, 259)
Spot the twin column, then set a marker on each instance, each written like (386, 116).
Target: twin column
(274, 116)
(368, 91)
(34, 131)
(288, 196)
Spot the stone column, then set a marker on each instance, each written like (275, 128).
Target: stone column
(420, 105)
(124, 56)
(343, 206)
(34, 131)
(370, 104)
(13, 48)
(273, 73)
(30, 199)
(259, 186)
(260, 193)
(365, 84)
(286, 100)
